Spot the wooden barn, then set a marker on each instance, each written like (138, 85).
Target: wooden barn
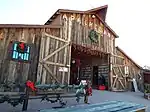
(132, 70)
(71, 45)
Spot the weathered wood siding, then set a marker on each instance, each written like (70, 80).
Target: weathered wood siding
(18, 71)
(49, 71)
(81, 25)
(134, 70)
(57, 20)
(59, 59)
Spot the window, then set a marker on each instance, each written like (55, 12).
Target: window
(20, 51)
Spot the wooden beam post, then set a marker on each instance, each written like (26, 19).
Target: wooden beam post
(65, 31)
(40, 67)
(111, 72)
(47, 45)
(25, 102)
(69, 39)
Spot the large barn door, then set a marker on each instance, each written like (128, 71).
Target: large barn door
(119, 77)
(54, 60)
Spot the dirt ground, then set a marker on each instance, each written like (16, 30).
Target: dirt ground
(98, 96)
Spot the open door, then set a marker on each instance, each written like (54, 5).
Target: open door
(95, 76)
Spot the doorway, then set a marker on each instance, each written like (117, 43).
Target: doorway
(95, 76)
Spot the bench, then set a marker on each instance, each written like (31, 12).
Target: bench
(109, 106)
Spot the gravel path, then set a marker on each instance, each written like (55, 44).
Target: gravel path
(98, 96)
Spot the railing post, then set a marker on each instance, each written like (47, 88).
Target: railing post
(25, 102)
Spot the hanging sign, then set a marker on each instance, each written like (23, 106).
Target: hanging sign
(63, 69)
(20, 51)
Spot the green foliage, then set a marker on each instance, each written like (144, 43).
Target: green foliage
(14, 102)
(93, 35)
(147, 88)
(56, 86)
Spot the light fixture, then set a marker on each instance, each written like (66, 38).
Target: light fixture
(73, 61)
(93, 16)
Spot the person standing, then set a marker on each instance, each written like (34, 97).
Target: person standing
(88, 91)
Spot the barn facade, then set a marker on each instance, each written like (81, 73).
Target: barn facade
(71, 45)
(132, 70)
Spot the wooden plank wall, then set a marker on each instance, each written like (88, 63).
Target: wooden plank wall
(134, 71)
(48, 46)
(60, 59)
(12, 70)
(82, 24)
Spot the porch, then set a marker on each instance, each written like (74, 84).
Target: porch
(88, 64)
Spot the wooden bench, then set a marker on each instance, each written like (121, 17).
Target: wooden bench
(109, 106)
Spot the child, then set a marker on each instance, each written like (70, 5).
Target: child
(88, 91)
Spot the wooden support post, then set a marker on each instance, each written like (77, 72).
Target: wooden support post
(125, 78)
(40, 67)
(111, 72)
(66, 25)
(69, 52)
(57, 55)
(25, 102)
(69, 63)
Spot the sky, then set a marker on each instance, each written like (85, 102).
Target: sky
(130, 19)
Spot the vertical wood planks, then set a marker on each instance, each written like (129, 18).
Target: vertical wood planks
(82, 24)
(13, 70)
(41, 56)
(66, 26)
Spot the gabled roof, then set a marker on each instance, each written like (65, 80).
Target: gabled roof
(119, 49)
(98, 11)
(98, 8)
